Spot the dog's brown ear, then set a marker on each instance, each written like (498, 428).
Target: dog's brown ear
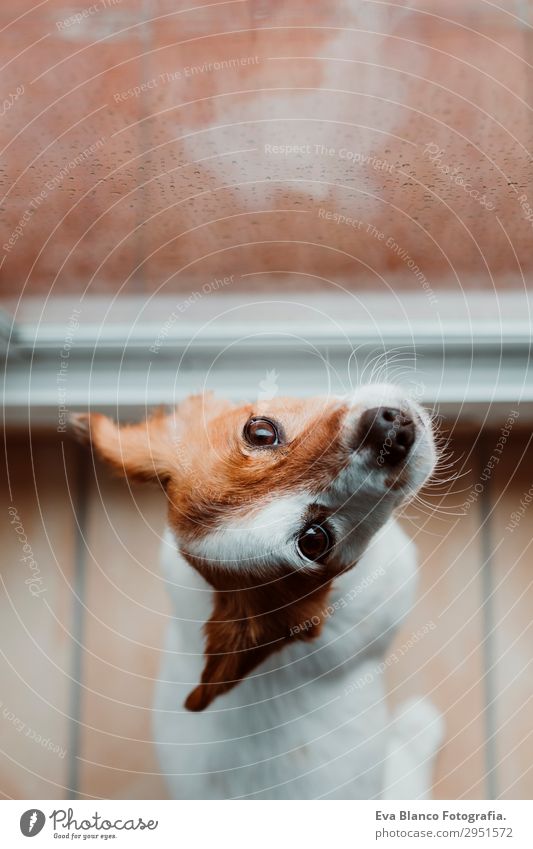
(247, 626)
(142, 451)
(232, 652)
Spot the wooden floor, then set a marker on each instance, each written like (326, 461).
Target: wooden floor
(79, 658)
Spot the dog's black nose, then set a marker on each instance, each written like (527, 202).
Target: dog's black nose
(388, 431)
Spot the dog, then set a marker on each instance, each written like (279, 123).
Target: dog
(289, 576)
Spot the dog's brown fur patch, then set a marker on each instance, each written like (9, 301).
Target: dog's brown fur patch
(250, 624)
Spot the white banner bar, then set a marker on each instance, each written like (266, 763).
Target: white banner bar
(268, 824)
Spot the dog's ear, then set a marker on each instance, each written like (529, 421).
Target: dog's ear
(234, 647)
(246, 627)
(142, 451)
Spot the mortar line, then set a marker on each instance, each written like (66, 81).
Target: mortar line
(81, 512)
(488, 644)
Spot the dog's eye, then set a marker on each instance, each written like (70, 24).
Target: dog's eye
(261, 432)
(314, 542)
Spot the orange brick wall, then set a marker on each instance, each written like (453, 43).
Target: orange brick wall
(258, 124)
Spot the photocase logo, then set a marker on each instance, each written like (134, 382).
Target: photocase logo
(32, 822)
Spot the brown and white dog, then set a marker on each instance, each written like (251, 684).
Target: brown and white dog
(289, 577)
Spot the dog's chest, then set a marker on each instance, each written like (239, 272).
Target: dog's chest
(308, 721)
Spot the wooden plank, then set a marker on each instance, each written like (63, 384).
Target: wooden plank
(126, 616)
(36, 620)
(511, 498)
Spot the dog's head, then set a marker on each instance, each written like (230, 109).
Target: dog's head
(270, 502)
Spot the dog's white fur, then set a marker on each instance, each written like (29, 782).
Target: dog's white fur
(311, 721)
